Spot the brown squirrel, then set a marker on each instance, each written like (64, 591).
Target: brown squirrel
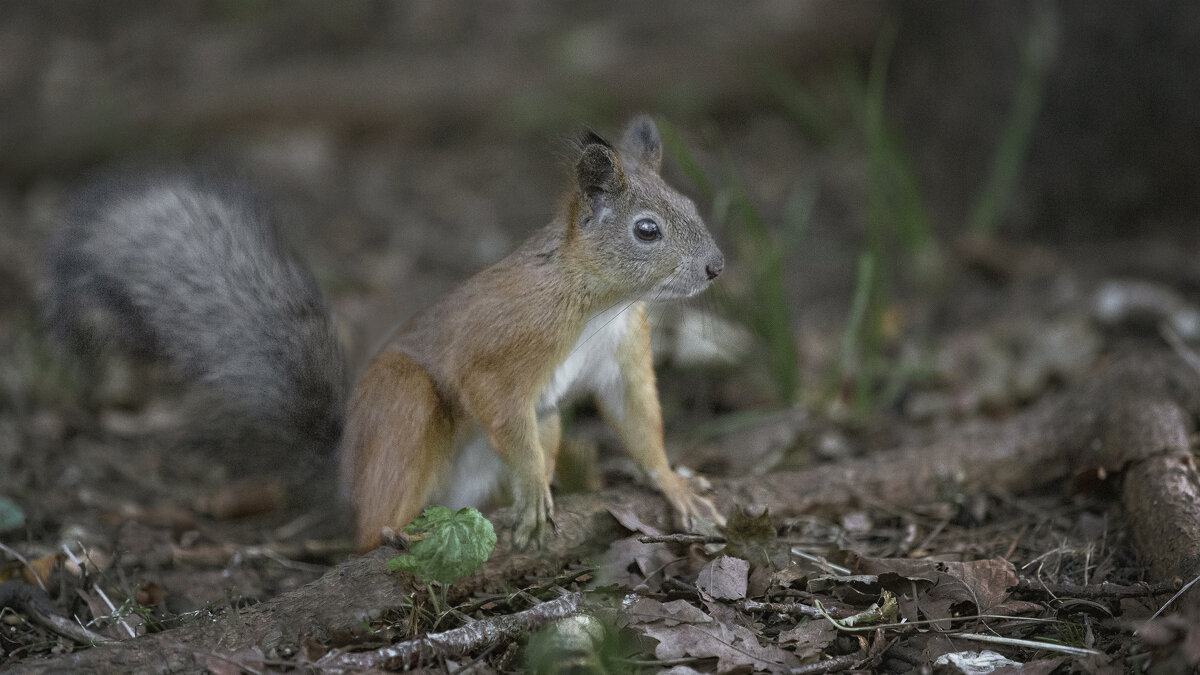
(193, 270)
(564, 313)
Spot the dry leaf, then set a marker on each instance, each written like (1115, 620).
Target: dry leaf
(732, 646)
(647, 610)
(37, 572)
(942, 585)
(724, 578)
(630, 563)
(810, 639)
(631, 521)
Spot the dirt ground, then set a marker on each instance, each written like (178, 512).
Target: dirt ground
(404, 146)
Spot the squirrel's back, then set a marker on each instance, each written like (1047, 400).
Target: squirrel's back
(192, 269)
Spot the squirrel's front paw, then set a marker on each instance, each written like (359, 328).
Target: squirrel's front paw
(533, 508)
(691, 509)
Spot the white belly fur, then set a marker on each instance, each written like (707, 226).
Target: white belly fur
(590, 367)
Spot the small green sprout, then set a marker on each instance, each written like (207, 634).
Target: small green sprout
(446, 545)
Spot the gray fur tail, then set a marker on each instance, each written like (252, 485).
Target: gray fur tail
(192, 270)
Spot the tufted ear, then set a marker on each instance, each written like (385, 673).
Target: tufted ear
(599, 174)
(641, 143)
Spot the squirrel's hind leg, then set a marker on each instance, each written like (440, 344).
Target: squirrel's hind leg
(396, 445)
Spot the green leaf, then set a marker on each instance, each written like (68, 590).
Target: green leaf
(11, 515)
(455, 543)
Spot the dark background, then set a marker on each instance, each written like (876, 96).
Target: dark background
(425, 138)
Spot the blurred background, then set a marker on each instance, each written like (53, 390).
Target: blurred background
(917, 199)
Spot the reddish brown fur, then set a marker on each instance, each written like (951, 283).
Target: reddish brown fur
(484, 353)
(379, 425)
(460, 361)
(640, 426)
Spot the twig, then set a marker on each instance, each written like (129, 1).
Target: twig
(681, 538)
(821, 562)
(679, 585)
(1173, 597)
(221, 554)
(1093, 591)
(559, 581)
(112, 609)
(1027, 644)
(789, 608)
(664, 663)
(460, 641)
(834, 665)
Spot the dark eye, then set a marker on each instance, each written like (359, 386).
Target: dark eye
(647, 230)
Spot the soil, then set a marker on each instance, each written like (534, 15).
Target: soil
(1010, 454)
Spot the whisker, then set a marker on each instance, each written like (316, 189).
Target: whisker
(660, 290)
(605, 324)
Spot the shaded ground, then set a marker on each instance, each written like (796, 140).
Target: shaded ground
(407, 146)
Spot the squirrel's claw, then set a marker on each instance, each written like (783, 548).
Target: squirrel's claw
(692, 511)
(533, 510)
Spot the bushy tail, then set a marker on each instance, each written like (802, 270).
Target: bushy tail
(192, 270)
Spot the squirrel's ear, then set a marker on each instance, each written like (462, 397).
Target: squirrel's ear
(642, 144)
(599, 175)
(588, 137)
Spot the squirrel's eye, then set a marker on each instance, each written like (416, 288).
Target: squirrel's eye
(647, 230)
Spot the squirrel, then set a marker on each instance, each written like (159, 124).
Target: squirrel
(563, 314)
(195, 271)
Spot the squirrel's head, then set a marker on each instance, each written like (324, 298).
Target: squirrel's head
(638, 233)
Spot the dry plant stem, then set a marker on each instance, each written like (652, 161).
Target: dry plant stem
(460, 641)
(681, 538)
(790, 608)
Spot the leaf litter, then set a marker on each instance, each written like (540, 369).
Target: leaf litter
(993, 580)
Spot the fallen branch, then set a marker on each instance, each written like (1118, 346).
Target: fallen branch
(458, 642)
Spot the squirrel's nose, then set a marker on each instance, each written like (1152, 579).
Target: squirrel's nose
(714, 267)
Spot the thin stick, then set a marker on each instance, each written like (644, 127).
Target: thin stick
(1093, 591)
(112, 609)
(1027, 644)
(1173, 597)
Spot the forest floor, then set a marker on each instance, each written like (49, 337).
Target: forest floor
(989, 496)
